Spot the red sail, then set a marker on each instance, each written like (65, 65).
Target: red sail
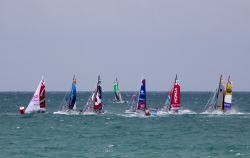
(176, 97)
(98, 103)
(42, 95)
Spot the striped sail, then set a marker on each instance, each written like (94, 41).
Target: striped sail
(228, 96)
(142, 104)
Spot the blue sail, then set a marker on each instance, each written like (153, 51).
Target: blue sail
(72, 100)
(142, 104)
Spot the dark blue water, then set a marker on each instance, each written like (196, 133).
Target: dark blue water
(116, 135)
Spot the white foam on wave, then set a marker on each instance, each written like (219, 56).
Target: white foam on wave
(134, 114)
(160, 113)
(88, 113)
(71, 112)
(180, 112)
(218, 112)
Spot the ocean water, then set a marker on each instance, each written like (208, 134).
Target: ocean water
(114, 134)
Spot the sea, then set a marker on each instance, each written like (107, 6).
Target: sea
(190, 134)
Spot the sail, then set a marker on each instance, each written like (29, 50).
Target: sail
(133, 103)
(118, 96)
(90, 103)
(228, 96)
(36, 104)
(98, 107)
(116, 90)
(69, 100)
(42, 96)
(72, 100)
(210, 106)
(220, 95)
(167, 102)
(176, 96)
(142, 104)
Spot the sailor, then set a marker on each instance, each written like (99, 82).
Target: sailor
(147, 113)
(21, 110)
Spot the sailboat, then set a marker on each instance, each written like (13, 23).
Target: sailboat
(37, 103)
(117, 93)
(141, 106)
(221, 98)
(94, 104)
(172, 102)
(68, 105)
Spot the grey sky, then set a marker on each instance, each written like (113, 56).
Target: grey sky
(197, 39)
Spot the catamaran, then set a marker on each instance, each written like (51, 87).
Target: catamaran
(94, 104)
(37, 103)
(141, 106)
(172, 103)
(221, 98)
(68, 105)
(118, 96)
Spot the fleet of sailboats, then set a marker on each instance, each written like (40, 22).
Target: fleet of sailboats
(219, 102)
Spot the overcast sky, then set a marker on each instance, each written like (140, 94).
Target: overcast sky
(128, 39)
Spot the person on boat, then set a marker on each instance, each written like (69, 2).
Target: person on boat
(21, 109)
(147, 112)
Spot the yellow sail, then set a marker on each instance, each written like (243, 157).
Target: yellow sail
(228, 96)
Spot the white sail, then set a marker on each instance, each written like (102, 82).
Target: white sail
(34, 105)
(74, 108)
